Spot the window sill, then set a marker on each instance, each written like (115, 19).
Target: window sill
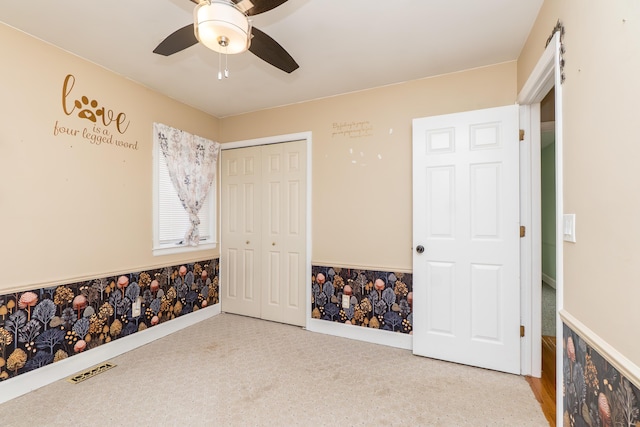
(179, 249)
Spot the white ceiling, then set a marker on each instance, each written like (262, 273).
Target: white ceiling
(341, 45)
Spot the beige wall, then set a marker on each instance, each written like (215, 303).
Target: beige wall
(70, 209)
(362, 180)
(601, 153)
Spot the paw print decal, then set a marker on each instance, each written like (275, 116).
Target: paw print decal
(85, 113)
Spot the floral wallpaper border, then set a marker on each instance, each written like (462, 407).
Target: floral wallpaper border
(42, 326)
(595, 394)
(377, 299)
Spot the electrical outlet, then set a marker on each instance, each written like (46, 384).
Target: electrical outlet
(136, 308)
(346, 301)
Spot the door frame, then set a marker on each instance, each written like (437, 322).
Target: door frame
(279, 139)
(545, 75)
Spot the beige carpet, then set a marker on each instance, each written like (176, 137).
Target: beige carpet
(548, 310)
(236, 371)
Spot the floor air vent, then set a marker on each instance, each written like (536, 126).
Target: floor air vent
(91, 372)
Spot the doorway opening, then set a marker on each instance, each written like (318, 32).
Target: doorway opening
(548, 216)
(546, 77)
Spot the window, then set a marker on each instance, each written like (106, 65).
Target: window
(170, 220)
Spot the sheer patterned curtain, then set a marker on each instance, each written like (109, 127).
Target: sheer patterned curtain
(191, 161)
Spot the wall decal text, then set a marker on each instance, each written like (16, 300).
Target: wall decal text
(352, 129)
(103, 120)
(89, 109)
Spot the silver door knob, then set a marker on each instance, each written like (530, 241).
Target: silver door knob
(420, 249)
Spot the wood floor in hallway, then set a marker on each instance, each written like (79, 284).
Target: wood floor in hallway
(544, 388)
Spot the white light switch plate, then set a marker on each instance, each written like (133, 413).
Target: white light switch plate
(569, 227)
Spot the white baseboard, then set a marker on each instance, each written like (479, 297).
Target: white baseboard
(626, 367)
(549, 280)
(375, 336)
(29, 381)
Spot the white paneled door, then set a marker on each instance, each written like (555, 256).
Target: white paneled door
(466, 305)
(283, 230)
(264, 232)
(241, 231)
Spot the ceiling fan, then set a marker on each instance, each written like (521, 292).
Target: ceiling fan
(224, 26)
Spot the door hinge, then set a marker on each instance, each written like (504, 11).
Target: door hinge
(521, 331)
(521, 134)
(523, 231)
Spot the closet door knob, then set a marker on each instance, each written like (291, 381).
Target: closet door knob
(248, 242)
(420, 249)
(273, 243)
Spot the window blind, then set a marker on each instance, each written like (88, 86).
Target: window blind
(173, 219)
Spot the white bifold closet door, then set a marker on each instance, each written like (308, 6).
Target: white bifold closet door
(263, 244)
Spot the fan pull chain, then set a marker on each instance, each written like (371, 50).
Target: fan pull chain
(226, 65)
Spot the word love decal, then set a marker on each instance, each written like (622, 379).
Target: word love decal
(104, 121)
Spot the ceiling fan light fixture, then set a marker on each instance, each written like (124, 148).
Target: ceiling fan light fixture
(222, 27)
